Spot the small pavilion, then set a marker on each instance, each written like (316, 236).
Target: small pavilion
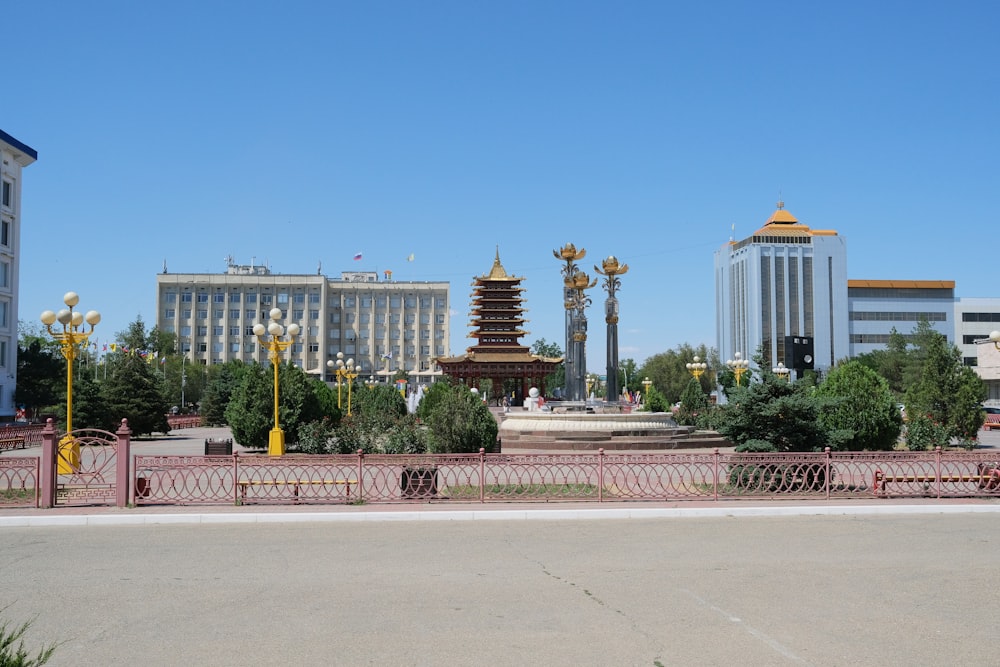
(497, 319)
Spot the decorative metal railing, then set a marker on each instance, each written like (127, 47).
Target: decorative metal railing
(26, 435)
(598, 477)
(19, 482)
(183, 421)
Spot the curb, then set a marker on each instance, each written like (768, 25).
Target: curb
(25, 521)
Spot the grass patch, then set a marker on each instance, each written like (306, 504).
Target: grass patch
(16, 494)
(581, 490)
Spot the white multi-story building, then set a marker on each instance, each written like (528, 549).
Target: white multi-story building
(785, 282)
(975, 318)
(879, 306)
(14, 156)
(383, 325)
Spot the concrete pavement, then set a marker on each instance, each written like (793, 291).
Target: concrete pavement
(726, 583)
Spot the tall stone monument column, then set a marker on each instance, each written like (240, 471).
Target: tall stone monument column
(612, 269)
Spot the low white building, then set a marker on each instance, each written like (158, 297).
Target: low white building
(14, 156)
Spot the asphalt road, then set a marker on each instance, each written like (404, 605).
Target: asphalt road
(814, 590)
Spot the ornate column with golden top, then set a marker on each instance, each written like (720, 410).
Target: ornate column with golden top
(575, 300)
(570, 255)
(611, 270)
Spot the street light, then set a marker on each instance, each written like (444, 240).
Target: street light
(646, 384)
(697, 368)
(276, 438)
(343, 370)
(739, 366)
(781, 371)
(71, 336)
(995, 337)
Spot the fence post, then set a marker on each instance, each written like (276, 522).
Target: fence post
(715, 473)
(482, 475)
(826, 477)
(937, 471)
(361, 475)
(47, 495)
(124, 479)
(600, 475)
(236, 479)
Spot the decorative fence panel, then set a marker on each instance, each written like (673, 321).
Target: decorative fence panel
(92, 476)
(598, 477)
(19, 482)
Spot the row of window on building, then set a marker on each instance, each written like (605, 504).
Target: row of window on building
(250, 314)
(283, 298)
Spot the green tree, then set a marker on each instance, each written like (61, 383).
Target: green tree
(12, 651)
(543, 348)
(432, 397)
(945, 392)
(861, 406)
(134, 391)
(222, 381)
(774, 411)
(41, 376)
(249, 410)
(889, 363)
(654, 401)
(379, 424)
(629, 373)
(694, 403)
(668, 370)
(185, 380)
(461, 423)
(298, 399)
(90, 407)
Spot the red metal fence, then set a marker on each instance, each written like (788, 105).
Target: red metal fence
(183, 421)
(485, 478)
(19, 482)
(598, 477)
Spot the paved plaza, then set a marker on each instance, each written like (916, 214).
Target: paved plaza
(806, 590)
(737, 583)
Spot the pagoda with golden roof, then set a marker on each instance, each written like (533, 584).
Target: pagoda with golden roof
(497, 319)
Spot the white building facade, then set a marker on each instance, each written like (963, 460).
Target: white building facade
(879, 306)
(14, 156)
(785, 280)
(975, 318)
(383, 325)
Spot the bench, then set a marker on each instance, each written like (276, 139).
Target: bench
(218, 447)
(294, 483)
(987, 478)
(17, 442)
(992, 422)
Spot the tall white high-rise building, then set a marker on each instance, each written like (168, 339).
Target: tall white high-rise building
(782, 285)
(14, 156)
(383, 325)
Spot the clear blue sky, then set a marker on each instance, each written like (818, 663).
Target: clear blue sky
(306, 132)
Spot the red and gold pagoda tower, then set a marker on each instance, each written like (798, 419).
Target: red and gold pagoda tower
(497, 318)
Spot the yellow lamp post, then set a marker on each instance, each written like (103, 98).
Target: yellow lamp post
(697, 367)
(70, 338)
(739, 366)
(276, 438)
(344, 370)
(646, 384)
(782, 371)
